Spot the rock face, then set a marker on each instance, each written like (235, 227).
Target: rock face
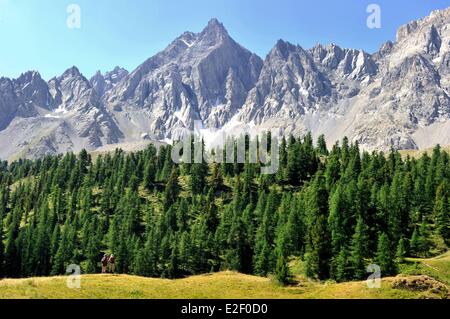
(199, 77)
(103, 83)
(65, 114)
(397, 97)
(22, 97)
(295, 82)
(88, 116)
(388, 99)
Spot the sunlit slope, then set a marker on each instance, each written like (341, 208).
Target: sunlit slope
(220, 285)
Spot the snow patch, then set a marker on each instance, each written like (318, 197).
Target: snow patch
(303, 91)
(214, 138)
(166, 141)
(188, 44)
(60, 109)
(52, 116)
(179, 116)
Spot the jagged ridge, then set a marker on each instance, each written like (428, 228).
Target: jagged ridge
(397, 97)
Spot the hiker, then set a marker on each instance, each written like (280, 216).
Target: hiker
(104, 263)
(112, 264)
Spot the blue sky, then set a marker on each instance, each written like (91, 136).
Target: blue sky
(34, 34)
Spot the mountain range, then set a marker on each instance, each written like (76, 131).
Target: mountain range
(396, 98)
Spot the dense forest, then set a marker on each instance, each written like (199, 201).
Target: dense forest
(336, 210)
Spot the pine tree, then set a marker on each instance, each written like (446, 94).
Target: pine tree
(146, 259)
(93, 247)
(197, 181)
(359, 249)
(425, 242)
(170, 219)
(343, 265)
(55, 239)
(282, 272)
(332, 170)
(62, 257)
(395, 208)
(238, 252)
(12, 258)
(293, 163)
(185, 256)
(114, 233)
(263, 258)
(216, 178)
(1, 242)
(149, 174)
(182, 216)
(318, 246)
(283, 160)
(173, 268)
(41, 240)
(401, 250)
(385, 257)
(442, 210)
(172, 189)
(322, 145)
(264, 255)
(336, 220)
(415, 242)
(211, 213)
(294, 229)
(199, 172)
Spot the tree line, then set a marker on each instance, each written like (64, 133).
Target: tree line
(336, 210)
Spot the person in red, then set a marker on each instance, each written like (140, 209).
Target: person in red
(112, 265)
(104, 263)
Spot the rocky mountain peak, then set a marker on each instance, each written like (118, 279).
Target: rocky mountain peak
(204, 76)
(425, 36)
(71, 72)
(102, 83)
(283, 49)
(385, 49)
(397, 97)
(405, 30)
(29, 76)
(215, 27)
(32, 89)
(213, 34)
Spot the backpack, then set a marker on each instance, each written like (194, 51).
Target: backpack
(104, 261)
(112, 259)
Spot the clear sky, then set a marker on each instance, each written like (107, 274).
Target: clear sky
(34, 33)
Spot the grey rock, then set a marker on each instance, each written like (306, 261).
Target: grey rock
(199, 77)
(381, 100)
(397, 97)
(103, 83)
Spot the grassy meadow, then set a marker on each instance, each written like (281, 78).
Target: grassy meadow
(227, 285)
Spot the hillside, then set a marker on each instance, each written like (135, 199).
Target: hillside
(232, 285)
(437, 267)
(419, 153)
(226, 285)
(337, 211)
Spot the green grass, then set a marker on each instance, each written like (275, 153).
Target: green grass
(225, 285)
(220, 285)
(437, 267)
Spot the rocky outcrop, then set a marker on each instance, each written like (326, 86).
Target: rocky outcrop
(199, 77)
(103, 83)
(379, 100)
